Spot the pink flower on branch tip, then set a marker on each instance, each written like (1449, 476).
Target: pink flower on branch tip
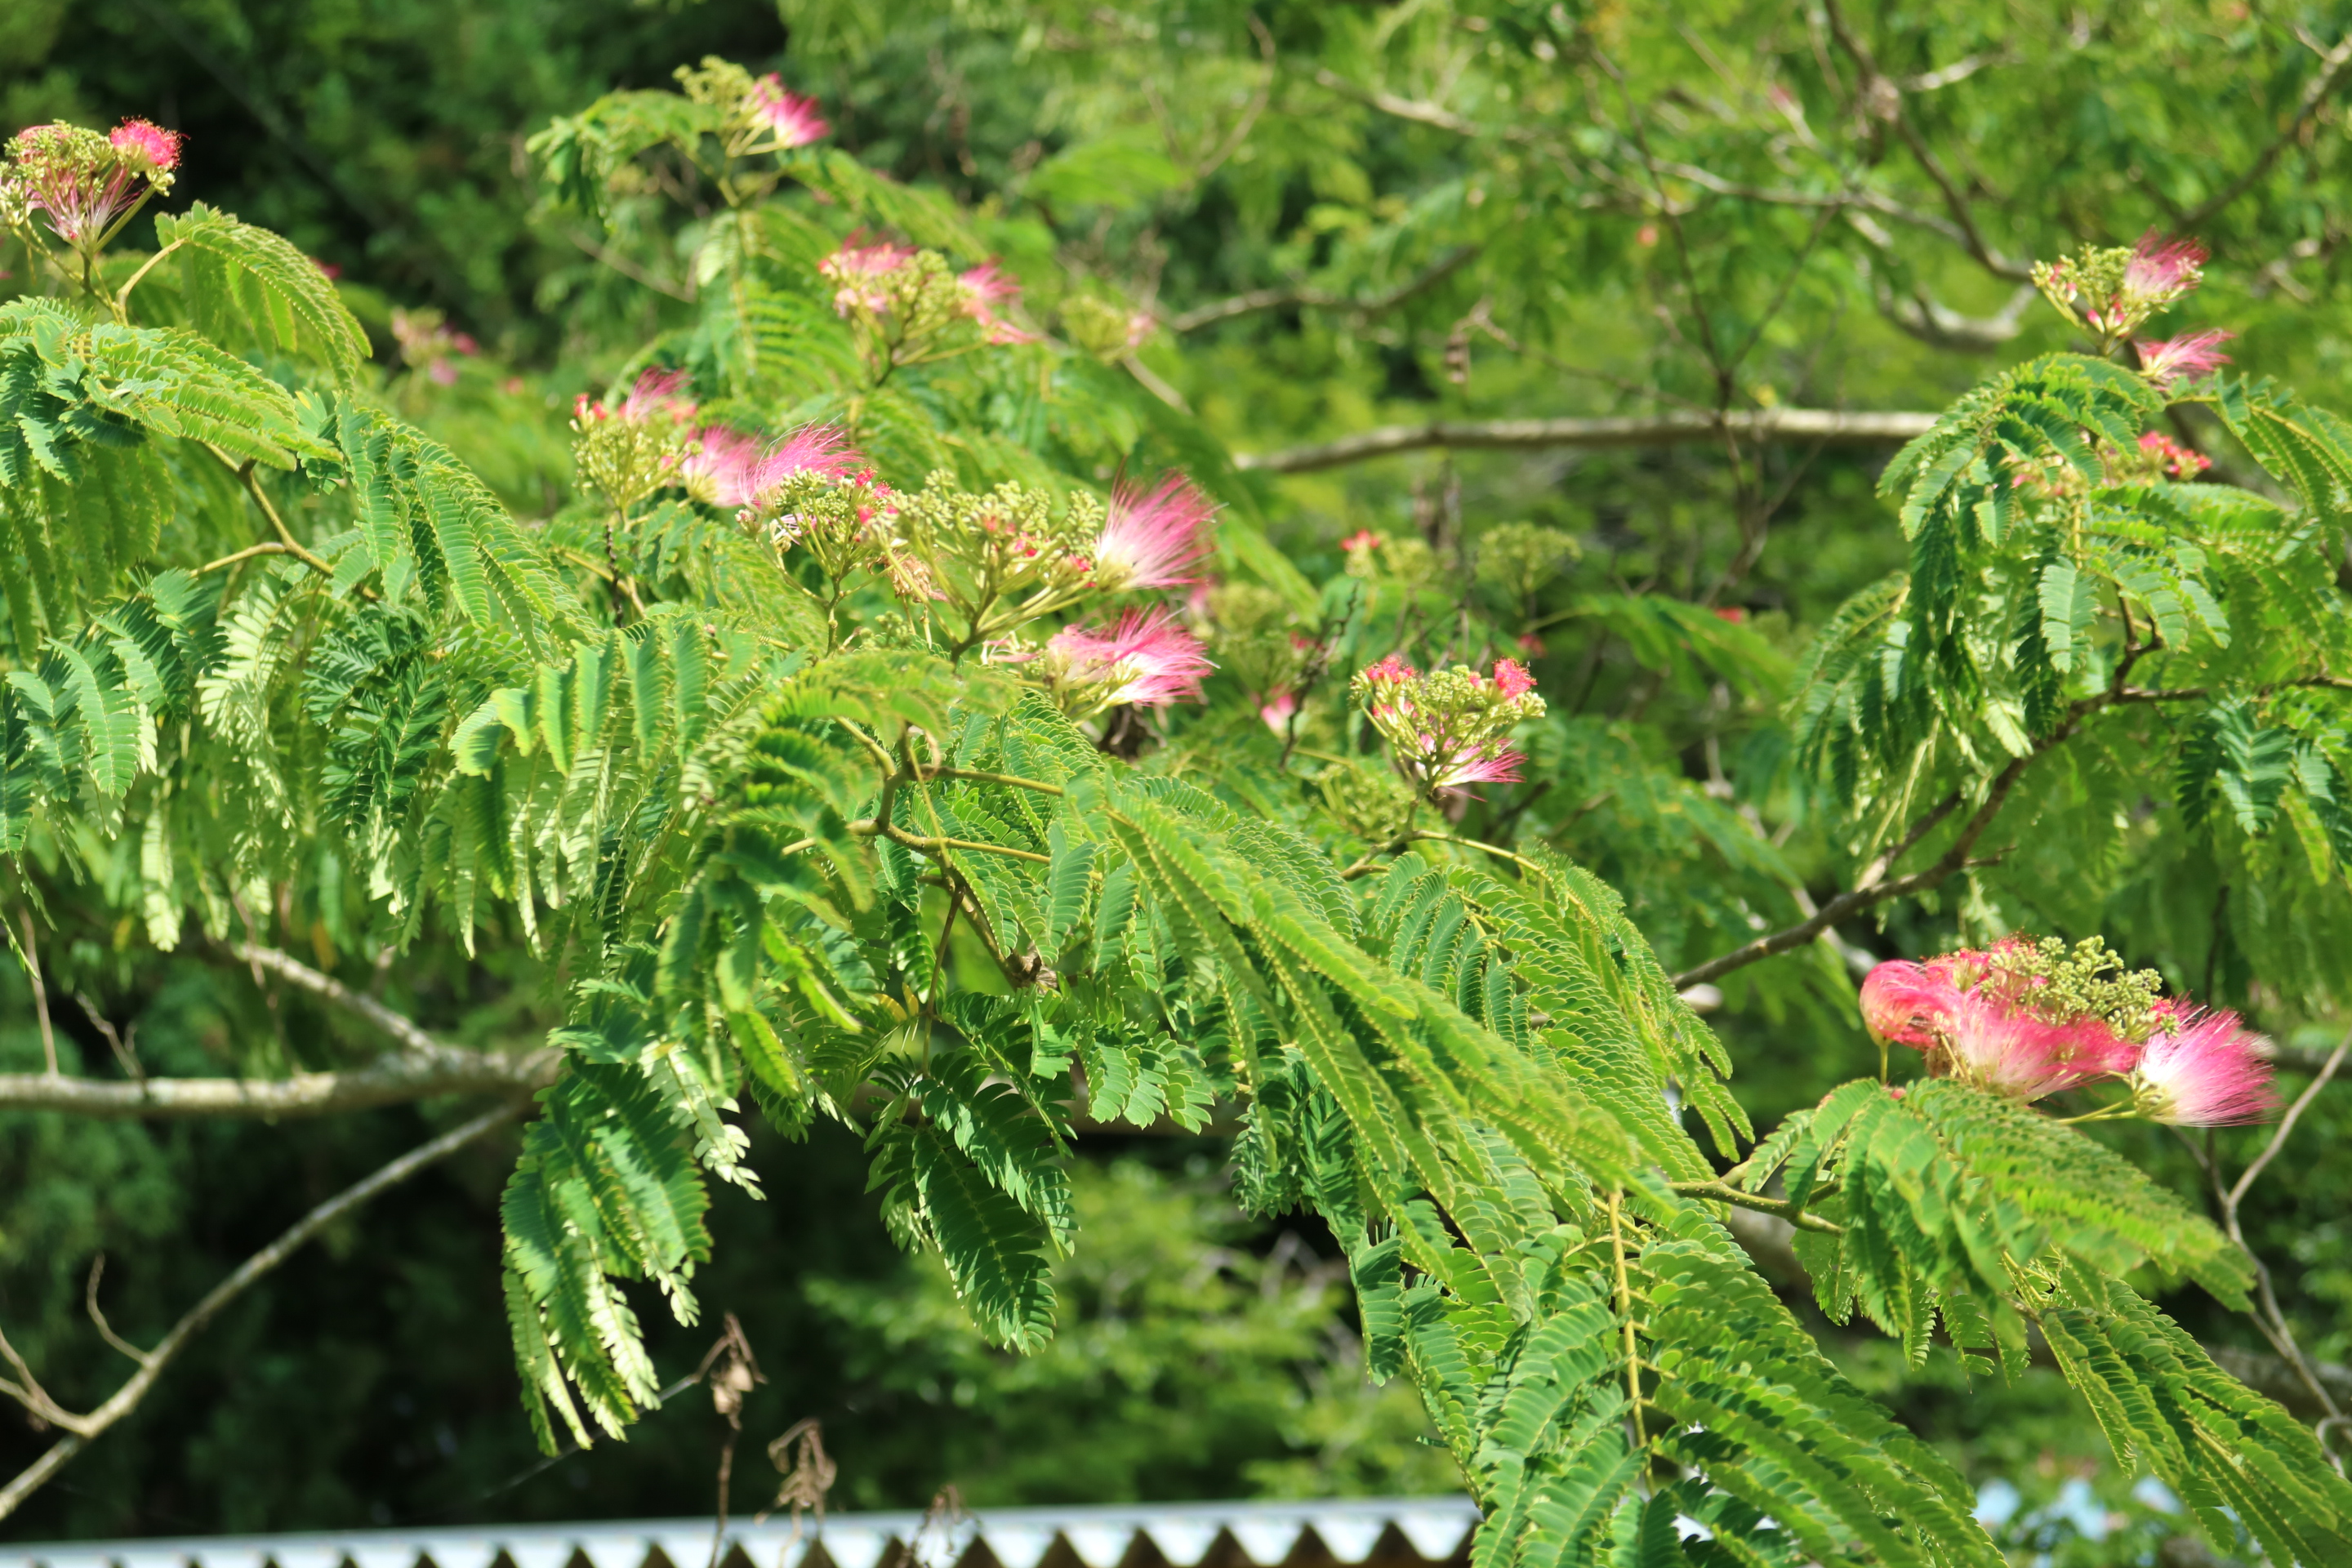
(1498, 765)
(794, 120)
(2164, 269)
(83, 183)
(1145, 661)
(2201, 1069)
(1152, 539)
(145, 145)
(1513, 678)
(2187, 357)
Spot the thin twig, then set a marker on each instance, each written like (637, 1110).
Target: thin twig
(1829, 426)
(83, 1430)
(40, 994)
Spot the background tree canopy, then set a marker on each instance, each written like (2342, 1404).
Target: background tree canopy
(1578, 333)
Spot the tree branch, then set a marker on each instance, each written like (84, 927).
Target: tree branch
(422, 1069)
(2332, 68)
(1274, 298)
(1410, 109)
(1828, 425)
(81, 1430)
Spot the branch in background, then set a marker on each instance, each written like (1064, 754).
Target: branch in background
(422, 1069)
(1410, 109)
(1828, 425)
(1276, 299)
(83, 1430)
(2333, 64)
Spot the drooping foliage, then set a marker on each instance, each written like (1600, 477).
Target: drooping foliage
(812, 742)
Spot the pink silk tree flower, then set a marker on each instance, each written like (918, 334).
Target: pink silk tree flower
(1149, 540)
(1491, 763)
(1146, 659)
(2163, 269)
(2201, 1070)
(1513, 678)
(146, 146)
(1908, 1004)
(734, 469)
(81, 183)
(659, 393)
(791, 119)
(2015, 1054)
(985, 288)
(1277, 711)
(2189, 357)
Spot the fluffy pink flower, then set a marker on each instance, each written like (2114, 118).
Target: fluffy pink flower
(2200, 1070)
(2184, 358)
(1513, 678)
(659, 393)
(81, 183)
(859, 273)
(1908, 1004)
(1148, 540)
(791, 119)
(1390, 670)
(985, 288)
(2011, 1052)
(734, 469)
(1146, 659)
(2164, 267)
(1495, 764)
(1277, 710)
(145, 145)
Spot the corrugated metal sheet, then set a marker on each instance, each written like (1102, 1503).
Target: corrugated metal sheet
(1402, 1530)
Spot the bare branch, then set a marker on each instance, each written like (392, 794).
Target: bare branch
(1828, 425)
(1276, 299)
(422, 1069)
(1410, 109)
(80, 1431)
(32, 956)
(394, 1078)
(2332, 68)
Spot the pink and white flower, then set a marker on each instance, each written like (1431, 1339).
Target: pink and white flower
(82, 184)
(2001, 1048)
(791, 120)
(1278, 711)
(1145, 661)
(2163, 270)
(2190, 356)
(2201, 1069)
(1150, 539)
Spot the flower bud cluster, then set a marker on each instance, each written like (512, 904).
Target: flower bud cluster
(2109, 291)
(907, 304)
(1252, 630)
(997, 559)
(2026, 1018)
(1450, 728)
(756, 114)
(83, 186)
(629, 450)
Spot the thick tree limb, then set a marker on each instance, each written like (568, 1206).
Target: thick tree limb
(1276, 299)
(83, 1430)
(422, 1069)
(1828, 426)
